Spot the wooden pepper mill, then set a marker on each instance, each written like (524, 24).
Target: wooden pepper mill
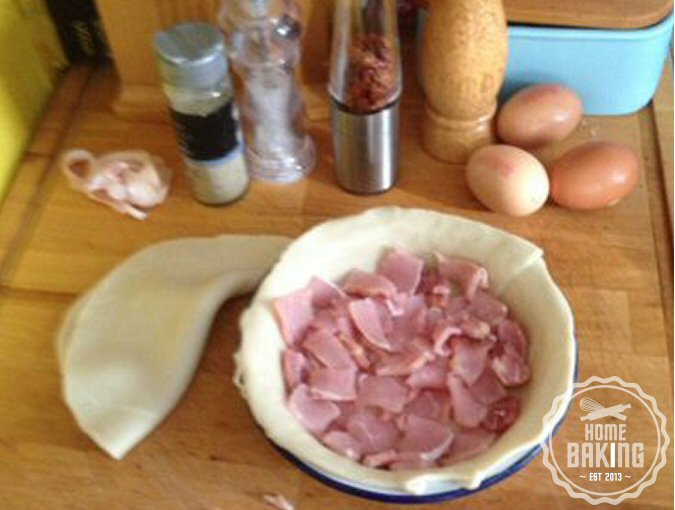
(464, 57)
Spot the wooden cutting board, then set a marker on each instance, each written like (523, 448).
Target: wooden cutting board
(589, 13)
(614, 266)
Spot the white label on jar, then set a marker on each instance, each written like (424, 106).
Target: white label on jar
(219, 181)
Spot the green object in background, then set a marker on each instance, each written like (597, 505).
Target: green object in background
(29, 61)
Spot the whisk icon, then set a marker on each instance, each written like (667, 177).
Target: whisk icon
(596, 411)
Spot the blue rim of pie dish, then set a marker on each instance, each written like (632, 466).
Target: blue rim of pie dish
(404, 499)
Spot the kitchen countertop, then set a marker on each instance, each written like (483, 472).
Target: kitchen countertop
(615, 266)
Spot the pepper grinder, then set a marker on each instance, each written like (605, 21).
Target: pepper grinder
(365, 88)
(464, 54)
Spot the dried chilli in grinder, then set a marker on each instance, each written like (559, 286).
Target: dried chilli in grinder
(365, 88)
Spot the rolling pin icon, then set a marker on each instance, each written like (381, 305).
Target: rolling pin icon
(464, 54)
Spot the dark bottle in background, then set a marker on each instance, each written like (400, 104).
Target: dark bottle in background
(79, 27)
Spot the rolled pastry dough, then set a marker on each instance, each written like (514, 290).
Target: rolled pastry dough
(518, 274)
(129, 348)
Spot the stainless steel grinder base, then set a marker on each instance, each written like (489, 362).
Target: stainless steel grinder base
(366, 148)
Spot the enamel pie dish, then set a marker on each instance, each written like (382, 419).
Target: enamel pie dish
(519, 277)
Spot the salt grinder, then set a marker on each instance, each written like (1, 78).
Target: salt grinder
(464, 54)
(264, 47)
(365, 88)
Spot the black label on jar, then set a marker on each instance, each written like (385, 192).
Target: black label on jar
(207, 137)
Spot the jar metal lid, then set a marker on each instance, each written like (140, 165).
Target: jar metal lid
(191, 55)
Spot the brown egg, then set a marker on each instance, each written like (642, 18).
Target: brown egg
(539, 115)
(594, 175)
(507, 179)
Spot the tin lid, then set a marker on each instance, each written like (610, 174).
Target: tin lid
(191, 55)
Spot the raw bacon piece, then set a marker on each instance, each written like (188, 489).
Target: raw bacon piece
(468, 275)
(343, 319)
(385, 392)
(295, 313)
(509, 367)
(394, 305)
(430, 404)
(294, 366)
(474, 328)
(332, 384)
(347, 408)
(374, 434)
(457, 308)
(487, 308)
(342, 443)
(424, 439)
(404, 363)
(324, 320)
(411, 324)
(432, 375)
(366, 317)
(423, 347)
(315, 415)
(403, 269)
(324, 293)
(434, 316)
(380, 459)
(326, 348)
(502, 414)
(365, 284)
(510, 332)
(469, 358)
(437, 300)
(413, 317)
(356, 350)
(487, 389)
(386, 319)
(442, 289)
(466, 410)
(467, 444)
(430, 279)
(443, 332)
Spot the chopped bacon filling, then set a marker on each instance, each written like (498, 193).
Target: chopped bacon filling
(409, 367)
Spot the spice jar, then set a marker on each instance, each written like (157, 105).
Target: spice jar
(365, 87)
(263, 40)
(193, 65)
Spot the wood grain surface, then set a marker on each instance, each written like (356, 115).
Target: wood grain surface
(587, 13)
(615, 266)
(461, 79)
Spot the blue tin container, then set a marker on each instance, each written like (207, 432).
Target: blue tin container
(615, 71)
